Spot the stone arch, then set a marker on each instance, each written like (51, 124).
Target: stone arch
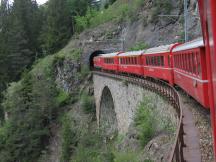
(107, 117)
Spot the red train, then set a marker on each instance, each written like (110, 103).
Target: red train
(191, 66)
(179, 64)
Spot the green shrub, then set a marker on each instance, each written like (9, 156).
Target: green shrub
(89, 148)
(145, 122)
(139, 46)
(68, 139)
(84, 71)
(62, 98)
(147, 160)
(125, 157)
(87, 103)
(32, 107)
(160, 7)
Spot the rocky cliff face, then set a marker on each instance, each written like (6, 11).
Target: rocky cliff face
(122, 36)
(67, 75)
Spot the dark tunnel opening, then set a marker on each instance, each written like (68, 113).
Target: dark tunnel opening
(94, 54)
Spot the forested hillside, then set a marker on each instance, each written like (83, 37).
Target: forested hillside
(29, 32)
(34, 108)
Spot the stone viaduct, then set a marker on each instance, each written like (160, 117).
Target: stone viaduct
(117, 102)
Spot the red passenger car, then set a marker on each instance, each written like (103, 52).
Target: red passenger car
(110, 61)
(97, 62)
(157, 63)
(208, 13)
(190, 71)
(130, 62)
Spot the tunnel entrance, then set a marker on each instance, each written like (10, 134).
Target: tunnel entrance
(94, 54)
(108, 120)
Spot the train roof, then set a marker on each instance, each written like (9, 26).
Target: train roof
(159, 49)
(132, 53)
(190, 45)
(109, 54)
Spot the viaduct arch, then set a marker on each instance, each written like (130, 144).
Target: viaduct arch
(117, 102)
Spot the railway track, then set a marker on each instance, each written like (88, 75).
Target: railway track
(186, 146)
(203, 123)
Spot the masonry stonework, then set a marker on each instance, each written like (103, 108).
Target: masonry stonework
(126, 99)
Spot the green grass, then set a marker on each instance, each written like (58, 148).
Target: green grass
(87, 103)
(125, 157)
(121, 10)
(68, 135)
(62, 98)
(145, 121)
(92, 149)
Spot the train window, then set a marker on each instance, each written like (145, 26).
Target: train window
(198, 64)
(193, 63)
(155, 60)
(179, 61)
(168, 60)
(185, 64)
(158, 61)
(188, 60)
(176, 61)
(162, 60)
(182, 62)
(147, 60)
(189, 63)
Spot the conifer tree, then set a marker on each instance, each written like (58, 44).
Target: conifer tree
(22, 45)
(57, 29)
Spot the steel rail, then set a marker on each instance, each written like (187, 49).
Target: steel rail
(163, 89)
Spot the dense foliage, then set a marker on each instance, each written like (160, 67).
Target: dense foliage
(31, 106)
(29, 32)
